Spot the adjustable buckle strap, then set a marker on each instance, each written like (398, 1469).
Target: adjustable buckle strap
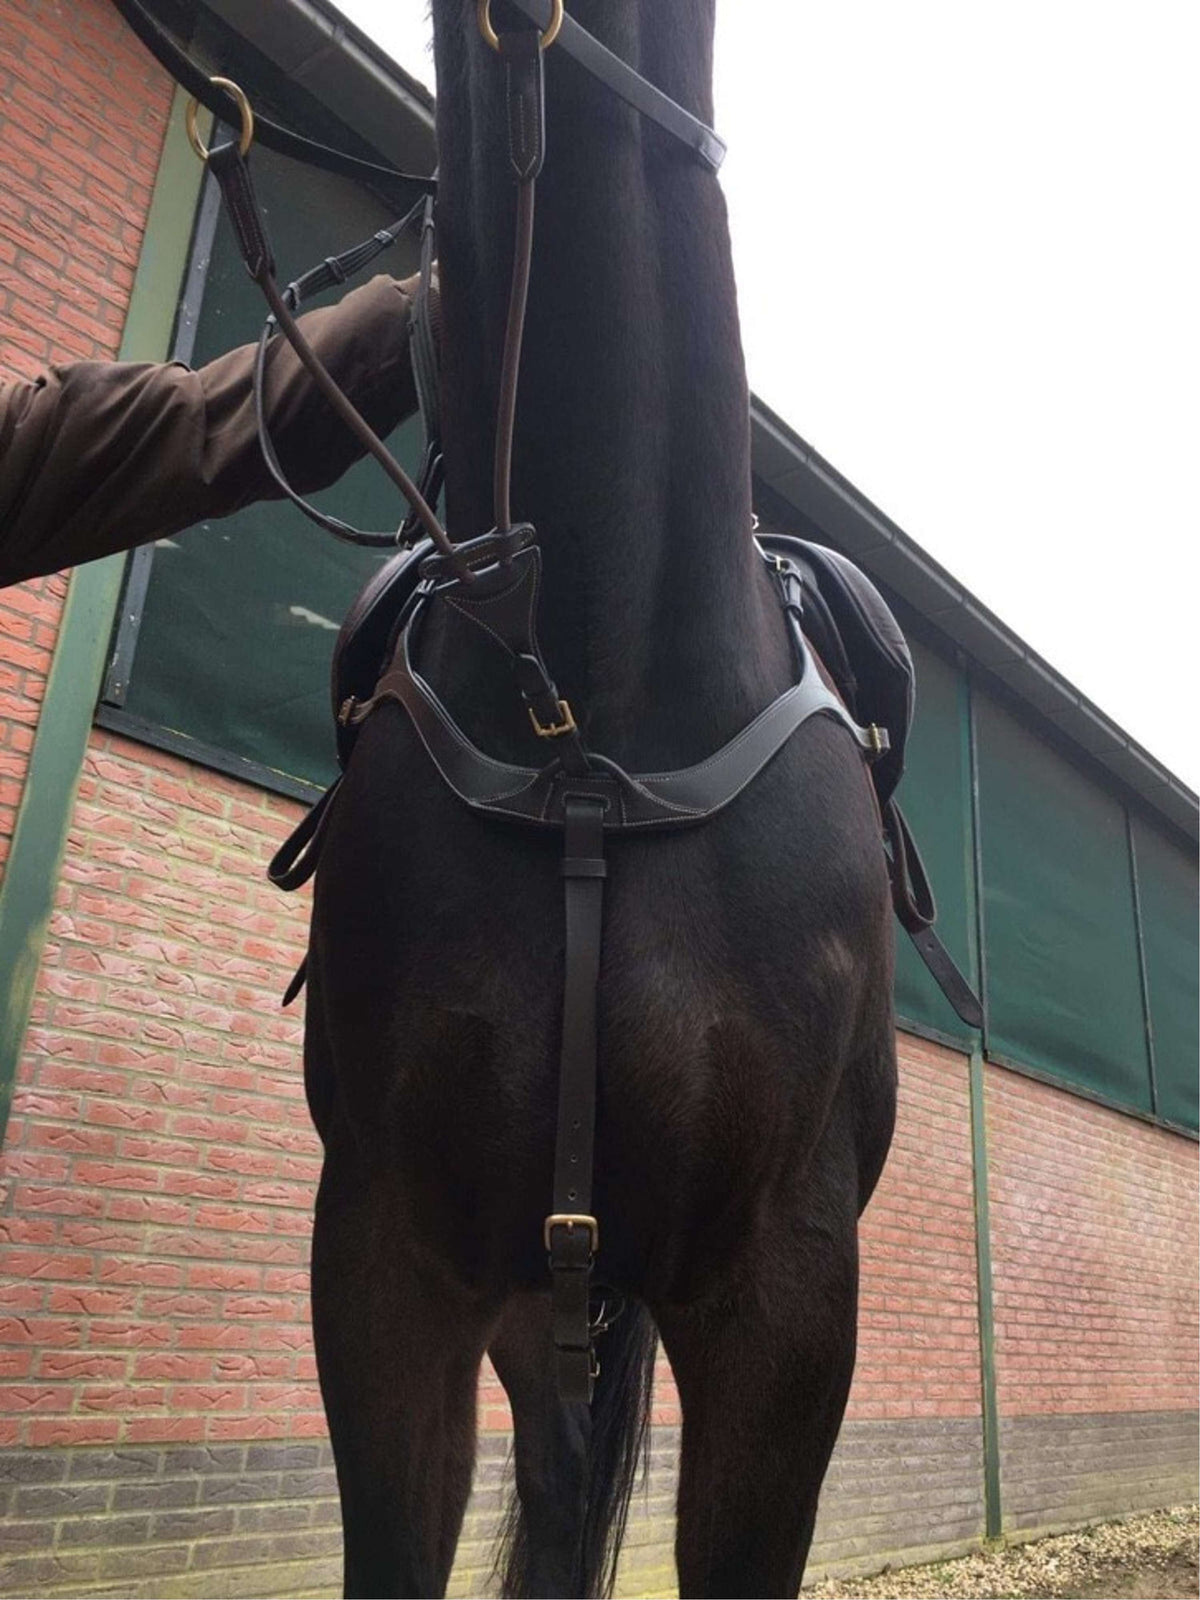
(503, 603)
(571, 1233)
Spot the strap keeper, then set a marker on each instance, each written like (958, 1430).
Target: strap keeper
(584, 867)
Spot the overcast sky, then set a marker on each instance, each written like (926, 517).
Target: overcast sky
(967, 252)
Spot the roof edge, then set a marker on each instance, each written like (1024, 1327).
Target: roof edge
(798, 473)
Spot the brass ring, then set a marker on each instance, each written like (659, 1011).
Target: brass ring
(484, 13)
(243, 105)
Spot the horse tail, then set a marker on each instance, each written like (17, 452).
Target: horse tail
(620, 1442)
(616, 1428)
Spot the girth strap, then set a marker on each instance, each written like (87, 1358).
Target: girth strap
(571, 1233)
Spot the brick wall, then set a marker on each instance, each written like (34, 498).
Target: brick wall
(1094, 1247)
(83, 111)
(918, 1353)
(906, 1478)
(1094, 1239)
(160, 1166)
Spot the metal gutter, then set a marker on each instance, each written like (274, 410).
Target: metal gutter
(796, 472)
(334, 61)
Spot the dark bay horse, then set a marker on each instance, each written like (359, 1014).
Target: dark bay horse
(747, 1069)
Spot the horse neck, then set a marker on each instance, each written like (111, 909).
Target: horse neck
(632, 454)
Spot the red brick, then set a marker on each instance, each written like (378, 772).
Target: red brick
(165, 1430)
(26, 1398)
(90, 1302)
(77, 1365)
(225, 1275)
(59, 1333)
(74, 1430)
(36, 1264)
(131, 1334)
(123, 1397)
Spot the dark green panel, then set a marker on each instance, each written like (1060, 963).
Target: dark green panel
(241, 615)
(933, 796)
(1167, 886)
(1064, 993)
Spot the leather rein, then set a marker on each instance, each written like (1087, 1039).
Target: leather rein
(493, 581)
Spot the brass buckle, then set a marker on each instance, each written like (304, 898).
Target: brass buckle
(878, 739)
(552, 730)
(572, 1220)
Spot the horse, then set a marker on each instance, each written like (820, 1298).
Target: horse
(746, 1049)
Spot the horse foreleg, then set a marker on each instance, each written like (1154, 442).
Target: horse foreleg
(763, 1372)
(398, 1353)
(550, 1445)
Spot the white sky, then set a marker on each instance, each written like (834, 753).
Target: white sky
(968, 255)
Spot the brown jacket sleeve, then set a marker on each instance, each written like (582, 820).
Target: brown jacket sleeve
(101, 456)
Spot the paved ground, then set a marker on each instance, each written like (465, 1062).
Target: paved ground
(1150, 1557)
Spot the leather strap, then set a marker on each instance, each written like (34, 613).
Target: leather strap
(914, 905)
(232, 173)
(334, 269)
(296, 859)
(525, 104)
(571, 1232)
(945, 973)
(653, 800)
(628, 85)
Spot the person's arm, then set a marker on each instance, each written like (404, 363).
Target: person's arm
(102, 456)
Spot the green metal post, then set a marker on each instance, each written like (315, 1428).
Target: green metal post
(1143, 980)
(977, 957)
(56, 760)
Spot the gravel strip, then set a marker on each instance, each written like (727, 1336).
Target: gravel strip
(1148, 1557)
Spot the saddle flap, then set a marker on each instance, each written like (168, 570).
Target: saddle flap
(875, 673)
(362, 647)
